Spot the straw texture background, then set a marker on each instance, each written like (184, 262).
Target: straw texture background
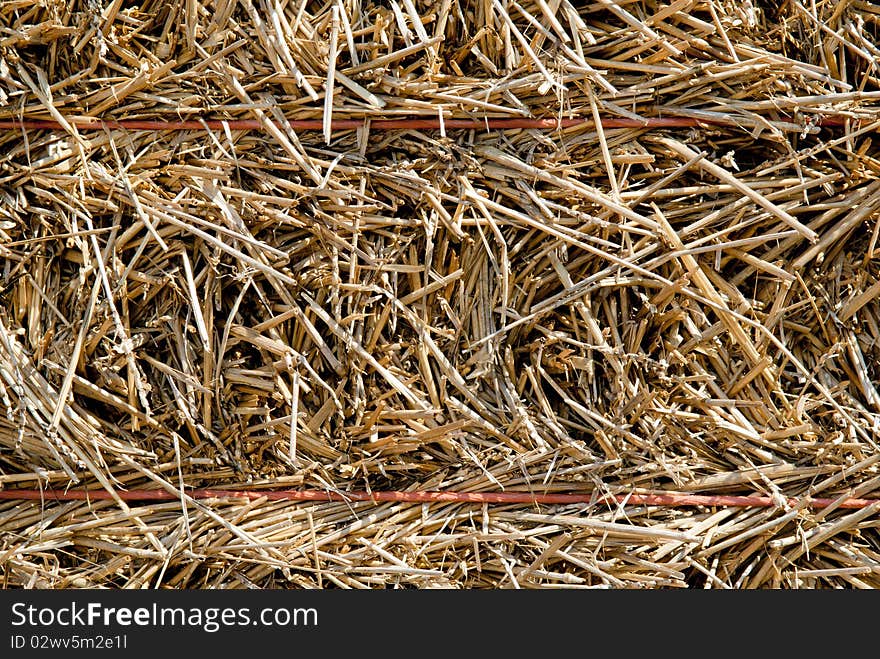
(689, 309)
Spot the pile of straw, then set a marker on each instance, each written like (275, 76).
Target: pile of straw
(572, 308)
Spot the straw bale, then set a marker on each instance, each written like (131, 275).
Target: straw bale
(564, 309)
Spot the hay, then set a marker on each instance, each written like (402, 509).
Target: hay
(573, 309)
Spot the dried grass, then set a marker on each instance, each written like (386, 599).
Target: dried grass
(570, 310)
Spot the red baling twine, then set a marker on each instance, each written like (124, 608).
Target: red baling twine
(385, 124)
(674, 500)
(640, 499)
